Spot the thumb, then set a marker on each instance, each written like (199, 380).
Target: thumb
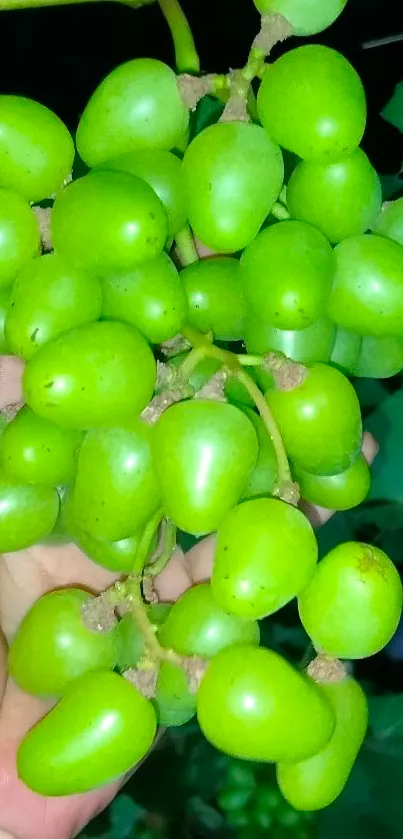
(11, 369)
(3, 665)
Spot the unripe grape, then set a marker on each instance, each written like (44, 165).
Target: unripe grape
(336, 492)
(19, 234)
(307, 17)
(233, 174)
(36, 150)
(252, 704)
(314, 343)
(380, 357)
(138, 105)
(312, 102)
(390, 221)
(316, 782)
(28, 513)
(353, 603)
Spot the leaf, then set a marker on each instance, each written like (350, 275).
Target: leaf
(124, 814)
(371, 393)
(386, 720)
(393, 111)
(208, 111)
(392, 185)
(338, 529)
(385, 423)
(205, 814)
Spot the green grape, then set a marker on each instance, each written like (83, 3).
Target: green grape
(19, 233)
(53, 646)
(27, 513)
(100, 374)
(108, 221)
(36, 150)
(319, 420)
(312, 102)
(198, 626)
(336, 492)
(204, 452)
(316, 782)
(341, 198)
(252, 704)
(49, 297)
(307, 17)
(233, 175)
(213, 289)
(287, 273)
(138, 105)
(150, 296)
(97, 732)
(35, 451)
(255, 571)
(264, 477)
(236, 393)
(314, 343)
(233, 798)
(116, 490)
(367, 294)
(390, 221)
(380, 357)
(116, 556)
(174, 702)
(4, 304)
(346, 350)
(353, 603)
(132, 643)
(163, 172)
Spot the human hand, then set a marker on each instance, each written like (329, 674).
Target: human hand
(24, 577)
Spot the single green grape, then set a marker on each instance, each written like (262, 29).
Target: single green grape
(287, 273)
(312, 102)
(197, 625)
(233, 175)
(100, 374)
(316, 782)
(320, 420)
(116, 556)
(213, 289)
(19, 233)
(162, 170)
(116, 490)
(4, 304)
(174, 702)
(49, 297)
(132, 645)
(252, 704)
(341, 198)
(390, 221)
(306, 18)
(36, 150)
(264, 477)
(53, 645)
(203, 452)
(353, 603)
(314, 343)
(138, 105)
(336, 492)
(108, 221)
(380, 357)
(367, 294)
(98, 731)
(255, 571)
(35, 451)
(149, 296)
(27, 513)
(346, 350)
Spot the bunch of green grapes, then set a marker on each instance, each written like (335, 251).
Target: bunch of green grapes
(138, 419)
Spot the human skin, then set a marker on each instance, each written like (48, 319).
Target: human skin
(25, 576)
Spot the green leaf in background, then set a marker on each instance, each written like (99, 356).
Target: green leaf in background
(371, 393)
(386, 424)
(207, 112)
(392, 185)
(393, 111)
(124, 815)
(386, 721)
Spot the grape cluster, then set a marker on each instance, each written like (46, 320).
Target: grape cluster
(135, 423)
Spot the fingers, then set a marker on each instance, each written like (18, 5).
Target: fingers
(3, 666)
(11, 370)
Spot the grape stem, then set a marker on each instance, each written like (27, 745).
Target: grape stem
(144, 545)
(186, 57)
(139, 613)
(203, 348)
(165, 551)
(185, 245)
(250, 360)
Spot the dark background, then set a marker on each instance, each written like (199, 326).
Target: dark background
(58, 55)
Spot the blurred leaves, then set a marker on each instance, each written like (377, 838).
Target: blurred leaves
(393, 111)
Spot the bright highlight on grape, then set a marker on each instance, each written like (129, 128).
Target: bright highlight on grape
(166, 391)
